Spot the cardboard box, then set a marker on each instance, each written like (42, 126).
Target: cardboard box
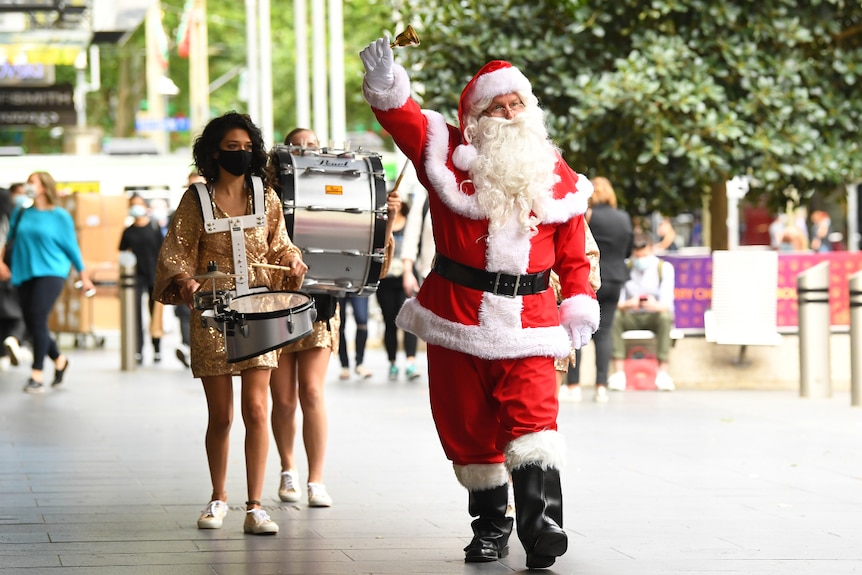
(96, 210)
(100, 244)
(75, 313)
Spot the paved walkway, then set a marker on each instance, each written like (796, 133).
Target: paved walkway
(108, 475)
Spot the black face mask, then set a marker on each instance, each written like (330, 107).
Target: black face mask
(236, 162)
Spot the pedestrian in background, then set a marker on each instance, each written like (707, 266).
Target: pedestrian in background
(612, 230)
(390, 297)
(359, 305)
(44, 250)
(11, 318)
(144, 239)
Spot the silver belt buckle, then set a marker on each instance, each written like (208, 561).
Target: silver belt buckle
(497, 285)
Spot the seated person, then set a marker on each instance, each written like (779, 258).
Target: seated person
(646, 302)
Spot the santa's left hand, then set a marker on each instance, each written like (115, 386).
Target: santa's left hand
(579, 316)
(580, 336)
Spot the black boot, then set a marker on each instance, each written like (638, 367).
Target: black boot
(539, 512)
(492, 528)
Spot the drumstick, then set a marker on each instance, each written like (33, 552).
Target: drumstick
(272, 267)
(400, 177)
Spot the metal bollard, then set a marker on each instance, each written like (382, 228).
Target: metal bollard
(128, 329)
(812, 287)
(856, 339)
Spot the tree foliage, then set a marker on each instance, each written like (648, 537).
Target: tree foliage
(668, 97)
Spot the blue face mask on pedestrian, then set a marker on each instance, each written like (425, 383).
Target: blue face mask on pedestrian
(640, 264)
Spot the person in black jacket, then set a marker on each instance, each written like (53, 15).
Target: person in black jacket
(144, 239)
(612, 229)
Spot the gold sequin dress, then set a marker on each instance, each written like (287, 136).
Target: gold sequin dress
(187, 251)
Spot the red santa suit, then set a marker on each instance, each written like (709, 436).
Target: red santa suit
(491, 355)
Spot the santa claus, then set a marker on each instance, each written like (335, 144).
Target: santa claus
(506, 210)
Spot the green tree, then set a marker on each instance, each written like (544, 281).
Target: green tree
(669, 98)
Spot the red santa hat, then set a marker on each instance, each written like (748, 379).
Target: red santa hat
(496, 78)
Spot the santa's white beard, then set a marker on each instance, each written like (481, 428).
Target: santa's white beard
(514, 168)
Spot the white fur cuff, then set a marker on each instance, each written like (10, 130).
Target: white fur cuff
(481, 477)
(544, 448)
(393, 98)
(579, 311)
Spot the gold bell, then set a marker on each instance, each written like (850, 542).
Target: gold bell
(408, 37)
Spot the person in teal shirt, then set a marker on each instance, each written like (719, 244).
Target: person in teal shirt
(43, 252)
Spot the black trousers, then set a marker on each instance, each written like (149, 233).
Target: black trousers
(608, 297)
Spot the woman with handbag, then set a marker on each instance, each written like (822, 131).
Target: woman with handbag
(43, 248)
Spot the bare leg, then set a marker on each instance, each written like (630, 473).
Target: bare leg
(284, 402)
(312, 377)
(219, 394)
(255, 414)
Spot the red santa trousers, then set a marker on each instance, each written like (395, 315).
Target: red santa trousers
(480, 405)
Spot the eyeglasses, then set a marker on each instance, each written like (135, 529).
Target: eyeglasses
(501, 111)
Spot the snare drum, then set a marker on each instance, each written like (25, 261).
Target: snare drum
(256, 323)
(335, 212)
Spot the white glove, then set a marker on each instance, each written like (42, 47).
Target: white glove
(580, 336)
(579, 316)
(378, 62)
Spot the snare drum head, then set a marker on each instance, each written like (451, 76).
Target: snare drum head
(264, 303)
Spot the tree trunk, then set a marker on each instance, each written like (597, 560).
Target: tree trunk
(718, 216)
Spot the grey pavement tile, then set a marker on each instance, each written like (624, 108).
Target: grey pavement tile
(684, 483)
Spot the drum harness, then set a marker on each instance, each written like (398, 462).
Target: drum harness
(236, 226)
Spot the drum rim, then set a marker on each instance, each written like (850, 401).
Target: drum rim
(273, 348)
(235, 314)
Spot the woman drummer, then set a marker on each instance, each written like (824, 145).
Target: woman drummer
(301, 375)
(230, 155)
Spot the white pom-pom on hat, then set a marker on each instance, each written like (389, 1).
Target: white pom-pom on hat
(464, 156)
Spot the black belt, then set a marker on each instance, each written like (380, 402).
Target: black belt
(496, 283)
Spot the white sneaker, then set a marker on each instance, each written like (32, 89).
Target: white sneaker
(664, 382)
(258, 522)
(317, 495)
(288, 491)
(213, 514)
(570, 394)
(601, 394)
(617, 381)
(13, 349)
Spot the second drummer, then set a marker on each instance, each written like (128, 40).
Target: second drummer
(301, 376)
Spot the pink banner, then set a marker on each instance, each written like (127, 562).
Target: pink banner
(693, 289)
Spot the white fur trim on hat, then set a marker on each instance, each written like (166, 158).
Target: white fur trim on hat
(499, 82)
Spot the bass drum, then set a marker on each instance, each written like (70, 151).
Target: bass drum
(335, 212)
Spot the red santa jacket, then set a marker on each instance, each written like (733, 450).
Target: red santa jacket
(476, 322)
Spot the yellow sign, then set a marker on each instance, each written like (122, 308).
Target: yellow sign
(41, 54)
(334, 190)
(65, 188)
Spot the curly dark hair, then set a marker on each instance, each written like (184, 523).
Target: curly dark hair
(207, 144)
